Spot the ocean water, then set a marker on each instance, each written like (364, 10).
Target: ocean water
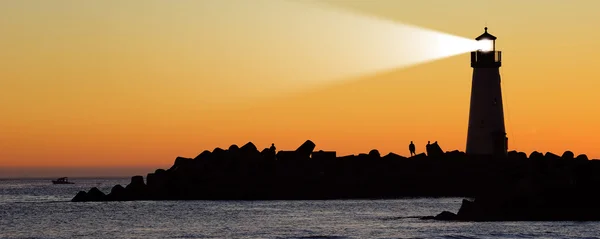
(35, 208)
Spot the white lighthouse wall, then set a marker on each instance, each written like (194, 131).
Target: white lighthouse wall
(486, 114)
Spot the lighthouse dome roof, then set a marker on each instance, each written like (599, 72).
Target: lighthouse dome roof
(485, 36)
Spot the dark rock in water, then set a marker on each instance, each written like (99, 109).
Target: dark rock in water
(137, 190)
(117, 193)
(137, 181)
(536, 202)
(446, 216)
(466, 208)
(95, 195)
(80, 197)
(510, 187)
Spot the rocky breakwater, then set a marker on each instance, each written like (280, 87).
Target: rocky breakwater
(555, 188)
(245, 173)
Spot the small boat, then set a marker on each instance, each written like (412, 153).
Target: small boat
(63, 180)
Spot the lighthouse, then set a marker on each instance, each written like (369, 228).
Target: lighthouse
(486, 133)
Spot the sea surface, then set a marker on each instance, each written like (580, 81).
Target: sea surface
(35, 208)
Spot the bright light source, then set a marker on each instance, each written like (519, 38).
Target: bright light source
(277, 46)
(485, 45)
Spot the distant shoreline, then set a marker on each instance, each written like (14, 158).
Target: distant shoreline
(22, 172)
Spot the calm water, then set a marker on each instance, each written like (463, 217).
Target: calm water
(37, 209)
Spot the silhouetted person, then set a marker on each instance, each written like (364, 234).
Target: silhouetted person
(272, 148)
(411, 148)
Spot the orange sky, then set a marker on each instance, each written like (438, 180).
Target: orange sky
(111, 83)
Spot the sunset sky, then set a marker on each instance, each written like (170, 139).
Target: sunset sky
(138, 83)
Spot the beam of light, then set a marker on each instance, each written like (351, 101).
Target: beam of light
(270, 47)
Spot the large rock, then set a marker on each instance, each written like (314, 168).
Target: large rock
(95, 195)
(117, 193)
(445, 215)
(203, 156)
(434, 150)
(323, 155)
(80, 197)
(551, 156)
(531, 201)
(374, 153)
(249, 148)
(137, 189)
(568, 155)
(582, 157)
(306, 149)
(537, 156)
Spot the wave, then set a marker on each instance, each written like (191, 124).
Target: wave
(318, 237)
(400, 218)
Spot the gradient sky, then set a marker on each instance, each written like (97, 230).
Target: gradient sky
(135, 83)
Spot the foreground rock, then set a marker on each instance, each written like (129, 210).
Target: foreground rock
(566, 192)
(245, 173)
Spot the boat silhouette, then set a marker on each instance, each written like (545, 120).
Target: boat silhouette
(63, 180)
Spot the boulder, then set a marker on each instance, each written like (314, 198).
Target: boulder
(568, 155)
(137, 181)
(203, 156)
(435, 151)
(521, 156)
(117, 193)
(249, 148)
(80, 197)
(374, 153)
(446, 216)
(95, 195)
(551, 156)
(393, 156)
(218, 154)
(233, 148)
(323, 155)
(455, 155)
(306, 149)
(419, 156)
(287, 155)
(512, 155)
(582, 157)
(535, 155)
(180, 162)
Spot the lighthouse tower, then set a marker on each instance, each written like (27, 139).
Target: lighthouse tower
(486, 132)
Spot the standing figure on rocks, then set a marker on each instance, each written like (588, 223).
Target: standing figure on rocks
(411, 147)
(272, 148)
